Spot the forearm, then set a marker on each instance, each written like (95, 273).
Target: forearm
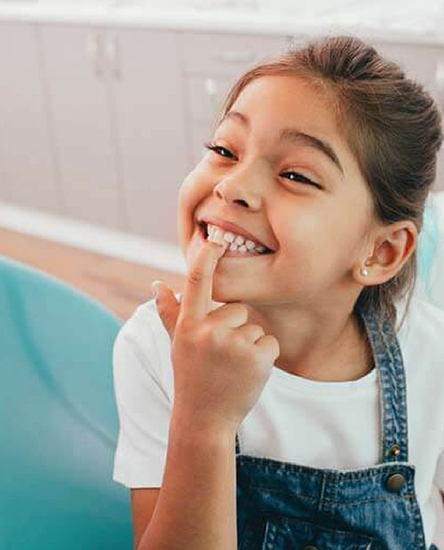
(196, 508)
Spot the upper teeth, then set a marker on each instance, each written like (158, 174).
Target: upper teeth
(237, 241)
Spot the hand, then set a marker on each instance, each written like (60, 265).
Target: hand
(221, 364)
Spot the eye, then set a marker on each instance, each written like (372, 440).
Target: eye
(305, 179)
(212, 147)
(216, 148)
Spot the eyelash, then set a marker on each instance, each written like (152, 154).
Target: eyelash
(213, 147)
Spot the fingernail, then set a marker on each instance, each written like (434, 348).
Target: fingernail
(155, 287)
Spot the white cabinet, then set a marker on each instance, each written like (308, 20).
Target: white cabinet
(116, 107)
(27, 165)
(150, 128)
(80, 113)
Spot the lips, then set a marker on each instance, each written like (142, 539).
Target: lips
(233, 228)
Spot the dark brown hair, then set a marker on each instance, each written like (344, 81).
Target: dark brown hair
(391, 124)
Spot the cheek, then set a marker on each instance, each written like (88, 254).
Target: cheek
(192, 192)
(188, 191)
(185, 207)
(305, 241)
(300, 231)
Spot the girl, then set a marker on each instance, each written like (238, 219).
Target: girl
(299, 414)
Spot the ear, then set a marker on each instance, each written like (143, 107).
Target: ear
(392, 248)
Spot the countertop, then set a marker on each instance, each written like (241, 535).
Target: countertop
(391, 21)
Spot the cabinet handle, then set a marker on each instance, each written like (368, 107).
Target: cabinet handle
(93, 48)
(439, 77)
(111, 49)
(236, 56)
(211, 90)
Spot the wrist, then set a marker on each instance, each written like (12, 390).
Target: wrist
(205, 427)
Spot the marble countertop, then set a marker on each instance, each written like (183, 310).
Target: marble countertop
(391, 21)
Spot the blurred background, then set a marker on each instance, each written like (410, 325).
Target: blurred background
(105, 106)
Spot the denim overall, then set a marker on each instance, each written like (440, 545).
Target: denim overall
(286, 506)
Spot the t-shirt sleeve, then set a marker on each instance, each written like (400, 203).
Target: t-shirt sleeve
(144, 408)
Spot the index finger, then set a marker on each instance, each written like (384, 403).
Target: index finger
(196, 299)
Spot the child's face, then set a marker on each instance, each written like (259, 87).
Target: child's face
(316, 232)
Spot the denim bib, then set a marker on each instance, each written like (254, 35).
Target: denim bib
(286, 506)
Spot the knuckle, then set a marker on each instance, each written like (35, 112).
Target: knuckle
(195, 275)
(240, 310)
(243, 308)
(263, 343)
(239, 342)
(233, 306)
(272, 344)
(212, 334)
(257, 328)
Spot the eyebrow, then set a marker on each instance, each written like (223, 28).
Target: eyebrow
(292, 135)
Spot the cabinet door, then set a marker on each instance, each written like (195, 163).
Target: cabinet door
(425, 64)
(27, 175)
(148, 92)
(212, 63)
(79, 107)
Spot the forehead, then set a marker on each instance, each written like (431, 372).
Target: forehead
(288, 100)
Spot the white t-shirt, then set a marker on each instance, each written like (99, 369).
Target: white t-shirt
(290, 410)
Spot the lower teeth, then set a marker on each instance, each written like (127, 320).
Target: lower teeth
(245, 252)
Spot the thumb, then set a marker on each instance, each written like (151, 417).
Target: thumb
(167, 306)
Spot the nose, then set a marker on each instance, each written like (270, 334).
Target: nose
(246, 188)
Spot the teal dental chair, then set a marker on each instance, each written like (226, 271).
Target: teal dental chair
(430, 250)
(58, 418)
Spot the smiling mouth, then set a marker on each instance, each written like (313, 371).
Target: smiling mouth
(203, 230)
